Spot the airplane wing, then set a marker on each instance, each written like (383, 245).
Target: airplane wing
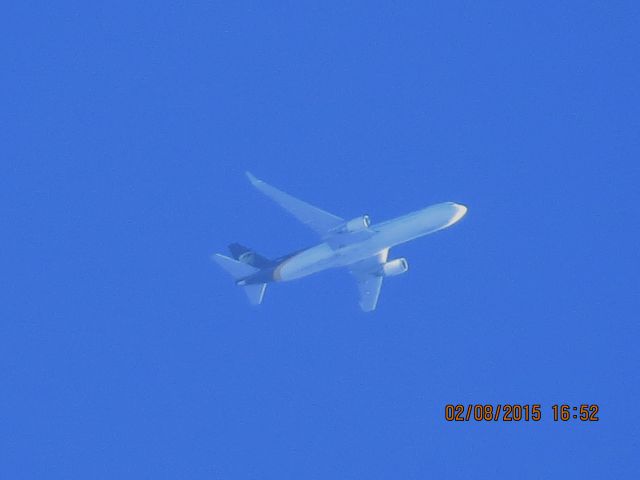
(315, 218)
(369, 281)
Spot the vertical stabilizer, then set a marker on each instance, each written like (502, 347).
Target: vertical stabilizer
(246, 255)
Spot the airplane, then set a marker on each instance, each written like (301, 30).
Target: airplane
(356, 244)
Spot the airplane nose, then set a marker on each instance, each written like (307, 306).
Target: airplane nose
(462, 209)
(459, 212)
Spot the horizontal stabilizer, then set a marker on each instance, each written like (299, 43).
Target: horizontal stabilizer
(237, 269)
(255, 292)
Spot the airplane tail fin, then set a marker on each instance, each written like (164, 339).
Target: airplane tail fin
(248, 256)
(239, 270)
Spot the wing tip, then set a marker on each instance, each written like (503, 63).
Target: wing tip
(214, 257)
(252, 178)
(367, 308)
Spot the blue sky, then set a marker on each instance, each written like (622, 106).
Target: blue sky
(126, 129)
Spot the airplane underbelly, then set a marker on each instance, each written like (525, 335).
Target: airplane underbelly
(323, 257)
(305, 263)
(423, 222)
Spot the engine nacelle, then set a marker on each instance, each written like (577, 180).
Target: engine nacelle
(355, 225)
(394, 267)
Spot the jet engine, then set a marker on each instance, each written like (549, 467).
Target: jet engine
(394, 267)
(355, 225)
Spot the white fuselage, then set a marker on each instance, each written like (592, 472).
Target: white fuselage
(385, 235)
